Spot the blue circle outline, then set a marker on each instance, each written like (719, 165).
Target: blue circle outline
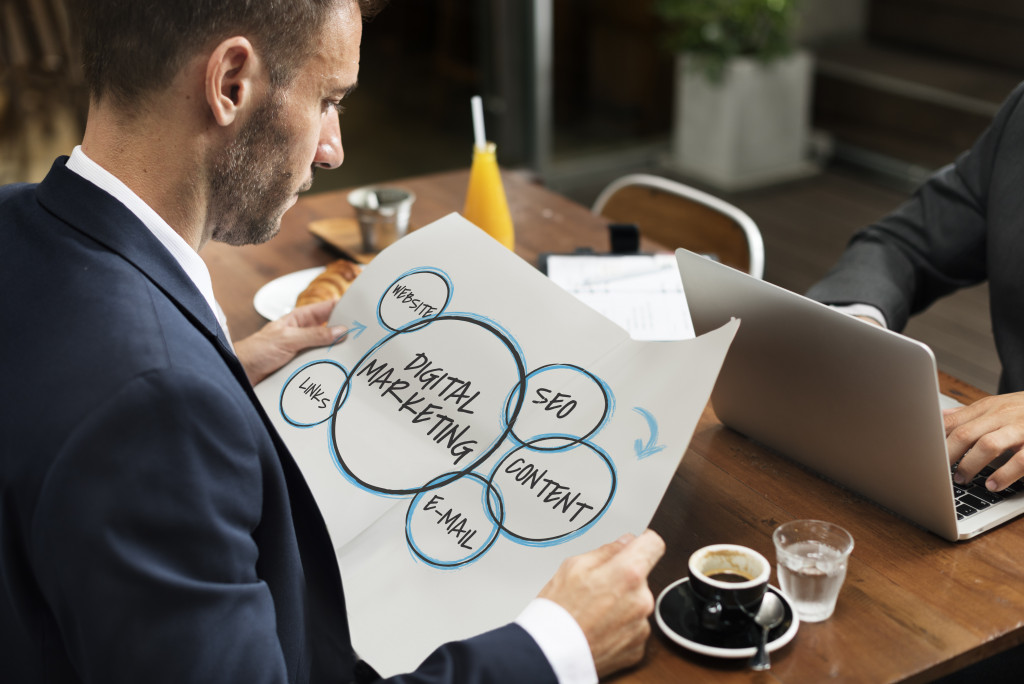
(569, 441)
(572, 534)
(423, 321)
(488, 489)
(330, 414)
(517, 356)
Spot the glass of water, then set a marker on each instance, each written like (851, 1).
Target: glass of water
(811, 558)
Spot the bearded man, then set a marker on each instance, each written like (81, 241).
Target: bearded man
(153, 526)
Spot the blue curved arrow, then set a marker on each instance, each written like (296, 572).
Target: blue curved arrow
(652, 447)
(355, 330)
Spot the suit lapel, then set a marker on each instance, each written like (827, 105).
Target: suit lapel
(101, 217)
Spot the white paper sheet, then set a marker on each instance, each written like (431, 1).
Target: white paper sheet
(478, 426)
(640, 292)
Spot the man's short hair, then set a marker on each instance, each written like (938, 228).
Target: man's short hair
(134, 47)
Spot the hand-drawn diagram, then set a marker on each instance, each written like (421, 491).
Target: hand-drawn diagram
(478, 426)
(512, 458)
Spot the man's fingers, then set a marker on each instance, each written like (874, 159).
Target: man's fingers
(298, 339)
(605, 553)
(647, 549)
(313, 314)
(964, 429)
(337, 334)
(1006, 475)
(321, 336)
(869, 319)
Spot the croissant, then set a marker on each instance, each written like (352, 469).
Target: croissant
(330, 284)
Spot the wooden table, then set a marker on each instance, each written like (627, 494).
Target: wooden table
(545, 221)
(914, 607)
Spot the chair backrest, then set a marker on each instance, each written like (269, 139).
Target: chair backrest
(677, 215)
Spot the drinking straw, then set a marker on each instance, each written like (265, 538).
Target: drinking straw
(478, 122)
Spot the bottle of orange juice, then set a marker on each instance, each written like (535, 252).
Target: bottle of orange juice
(486, 205)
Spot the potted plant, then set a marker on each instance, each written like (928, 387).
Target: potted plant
(742, 93)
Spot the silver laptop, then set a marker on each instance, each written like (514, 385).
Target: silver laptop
(856, 404)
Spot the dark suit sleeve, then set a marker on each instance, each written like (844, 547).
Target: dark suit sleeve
(506, 655)
(145, 550)
(143, 540)
(933, 244)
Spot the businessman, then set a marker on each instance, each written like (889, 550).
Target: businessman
(153, 526)
(963, 226)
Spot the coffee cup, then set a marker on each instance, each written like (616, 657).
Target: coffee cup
(728, 582)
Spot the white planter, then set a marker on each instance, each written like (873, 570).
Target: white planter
(750, 129)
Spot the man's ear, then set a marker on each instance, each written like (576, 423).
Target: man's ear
(232, 72)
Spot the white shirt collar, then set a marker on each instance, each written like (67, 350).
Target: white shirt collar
(187, 258)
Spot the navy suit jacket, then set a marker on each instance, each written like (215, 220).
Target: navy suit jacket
(963, 226)
(153, 527)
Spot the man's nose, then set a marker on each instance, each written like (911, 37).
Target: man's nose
(329, 153)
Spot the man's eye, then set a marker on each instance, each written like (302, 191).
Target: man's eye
(338, 106)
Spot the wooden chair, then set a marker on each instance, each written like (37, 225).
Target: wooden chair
(677, 215)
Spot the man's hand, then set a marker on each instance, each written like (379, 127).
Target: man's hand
(606, 592)
(279, 341)
(869, 319)
(984, 431)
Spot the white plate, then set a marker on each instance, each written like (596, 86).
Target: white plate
(277, 298)
(686, 636)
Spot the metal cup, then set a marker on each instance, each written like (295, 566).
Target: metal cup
(383, 214)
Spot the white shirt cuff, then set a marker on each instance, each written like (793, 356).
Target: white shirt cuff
(561, 639)
(865, 310)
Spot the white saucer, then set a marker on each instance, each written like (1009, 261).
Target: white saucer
(673, 614)
(277, 298)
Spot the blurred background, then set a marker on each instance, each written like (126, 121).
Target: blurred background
(579, 92)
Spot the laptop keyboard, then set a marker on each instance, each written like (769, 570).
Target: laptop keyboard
(972, 497)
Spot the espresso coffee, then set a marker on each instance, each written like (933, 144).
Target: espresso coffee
(727, 576)
(727, 583)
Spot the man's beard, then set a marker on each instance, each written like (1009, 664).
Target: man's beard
(249, 185)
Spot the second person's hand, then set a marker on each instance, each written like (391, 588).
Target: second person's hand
(983, 431)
